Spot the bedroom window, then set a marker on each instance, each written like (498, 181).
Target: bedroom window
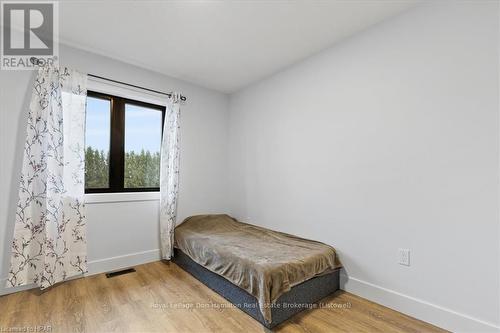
(122, 144)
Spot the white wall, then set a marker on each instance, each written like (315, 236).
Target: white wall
(389, 139)
(123, 233)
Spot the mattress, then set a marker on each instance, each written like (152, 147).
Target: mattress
(263, 262)
(303, 296)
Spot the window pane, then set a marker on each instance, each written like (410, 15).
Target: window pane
(97, 138)
(143, 128)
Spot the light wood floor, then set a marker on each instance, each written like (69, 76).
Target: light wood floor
(154, 300)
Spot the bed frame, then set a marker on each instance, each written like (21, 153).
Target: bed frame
(299, 298)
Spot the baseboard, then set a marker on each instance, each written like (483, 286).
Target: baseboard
(100, 266)
(417, 308)
(125, 261)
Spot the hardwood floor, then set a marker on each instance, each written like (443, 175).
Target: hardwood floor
(161, 297)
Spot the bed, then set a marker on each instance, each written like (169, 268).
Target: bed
(267, 274)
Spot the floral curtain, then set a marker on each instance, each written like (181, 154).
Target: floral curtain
(169, 176)
(49, 243)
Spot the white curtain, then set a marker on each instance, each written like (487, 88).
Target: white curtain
(49, 243)
(169, 176)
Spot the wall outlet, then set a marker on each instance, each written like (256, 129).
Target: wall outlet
(404, 257)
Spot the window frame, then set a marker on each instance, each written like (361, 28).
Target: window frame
(116, 177)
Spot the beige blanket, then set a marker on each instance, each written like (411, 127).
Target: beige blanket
(263, 262)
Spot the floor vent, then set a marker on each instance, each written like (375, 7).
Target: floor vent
(124, 271)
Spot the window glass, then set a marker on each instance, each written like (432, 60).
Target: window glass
(97, 140)
(143, 129)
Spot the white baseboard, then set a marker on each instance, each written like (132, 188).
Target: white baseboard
(100, 266)
(5, 291)
(120, 262)
(417, 308)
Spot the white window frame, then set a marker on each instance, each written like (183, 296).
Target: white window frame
(137, 94)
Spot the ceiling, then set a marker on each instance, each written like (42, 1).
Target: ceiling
(222, 45)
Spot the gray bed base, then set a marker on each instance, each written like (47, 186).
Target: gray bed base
(299, 298)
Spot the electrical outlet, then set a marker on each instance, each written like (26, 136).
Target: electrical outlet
(404, 257)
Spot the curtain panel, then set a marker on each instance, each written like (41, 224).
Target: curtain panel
(169, 176)
(49, 243)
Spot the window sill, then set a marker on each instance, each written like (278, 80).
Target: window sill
(97, 198)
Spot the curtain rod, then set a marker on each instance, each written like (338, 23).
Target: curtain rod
(36, 61)
(183, 98)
